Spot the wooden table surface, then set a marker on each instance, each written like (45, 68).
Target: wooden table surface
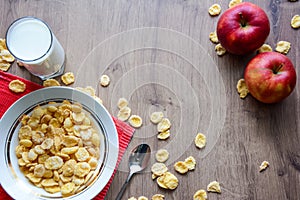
(158, 56)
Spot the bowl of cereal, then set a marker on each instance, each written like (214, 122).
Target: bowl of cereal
(57, 143)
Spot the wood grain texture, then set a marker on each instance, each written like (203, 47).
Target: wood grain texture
(159, 57)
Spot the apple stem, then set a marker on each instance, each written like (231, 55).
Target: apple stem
(242, 20)
(276, 69)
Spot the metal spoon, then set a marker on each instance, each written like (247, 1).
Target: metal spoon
(138, 160)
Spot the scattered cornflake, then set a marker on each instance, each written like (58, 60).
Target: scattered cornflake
(265, 48)
(122, 102)
(220, 50)
(142, 198)
(214, 10)
(234, 3)
(214, 186)
(2, 44)
(156, 117)
(190, 162)
(164, 135)
(5, 57)
(242, 88)
(17, 86)
(163, 125)
(135, 121)
(132, 198)
(50, 82)
(263, 166)
(168, 181)
(200, 140)
(295, 21)
(104, 80)
(124, 113)
(181, 167)
(4, 66)
(158, 197)
(283, 47)
(159, 169)
(213, 37)
(200, 195)
(68, 78)
(162, 155)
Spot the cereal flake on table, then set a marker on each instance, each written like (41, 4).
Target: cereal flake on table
(68, 78)
(265, 48)
(158, 197)
(156, 117)
(234, 3)
(164, 125)
(295, 21)
(162, 155)
(168, 181)
(214, 9)
(142, 198)
(163, 135)
(200, 140)
(190, 162)
(283, 47)
(220, 50)
(213, 37)
(104, 80)
(122, 102)
(214, 186)
(17, 86)
(135, 121)
(181, 167)
(124, 113)
(5, 57)
(50, 82)
(200, 195)
(242, 88)
(263, 166)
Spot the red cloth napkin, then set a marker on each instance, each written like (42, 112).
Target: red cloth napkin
(7, 98)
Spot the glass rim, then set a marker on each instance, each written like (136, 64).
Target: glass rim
(14, 23)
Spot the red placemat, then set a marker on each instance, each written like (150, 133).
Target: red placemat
(7, 98)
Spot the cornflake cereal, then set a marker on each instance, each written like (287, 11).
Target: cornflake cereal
(104, 80)
(213, 37)
(158, 197)
(164, 125)
(242, 88)
(164, 135)
(132, 198)
(190, 162)
(214, 186)
(168, 181)
(68, 78)
(283, 47)
(156, 117)
(50, 82)
(17, 86)
(122, 102)
(159, 169)
(265, 48)
(5, 57)
(58, 147)
(162, 155)
(181, 167)
(200, 140)
(295, 21)
(214, 10)
(124, 113)
(135, 121)
(200, 195)
(234, 3)
(220, 50)
(142, 198)
(263, 166)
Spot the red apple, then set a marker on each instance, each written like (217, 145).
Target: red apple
(243, 28)
(270, 77)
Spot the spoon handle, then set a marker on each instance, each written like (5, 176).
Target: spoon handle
(119, 196)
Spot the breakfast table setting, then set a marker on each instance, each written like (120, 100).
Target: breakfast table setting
(162, 99)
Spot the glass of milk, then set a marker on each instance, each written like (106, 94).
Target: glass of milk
(32, 43)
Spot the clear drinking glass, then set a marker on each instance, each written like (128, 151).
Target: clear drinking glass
(31, 41)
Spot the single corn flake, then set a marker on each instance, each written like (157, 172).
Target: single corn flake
(200, 195)
(214, 186)
(158, 197)
(234, 3)
(2, 44)
(162, 155)
(50, 82)
(122, 103)
(68, 78)
(170, 180)
(17, 86)
(164, 135)
(54, 162)
(163, 125)
(263, 166)
(283, 47)
(142, 198)
(242, 88)
(200, 140)
(4, 66)
(6, 56)
(190, 162)
(220, 50)
(67, 189)
(181, 167)
(104, 80)
(160, 182)
(214, 10)
(295, 21)
(156, 117)
(213, 37)
(159, 169)
(135, 121)
(124, 113)
(265, 48)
